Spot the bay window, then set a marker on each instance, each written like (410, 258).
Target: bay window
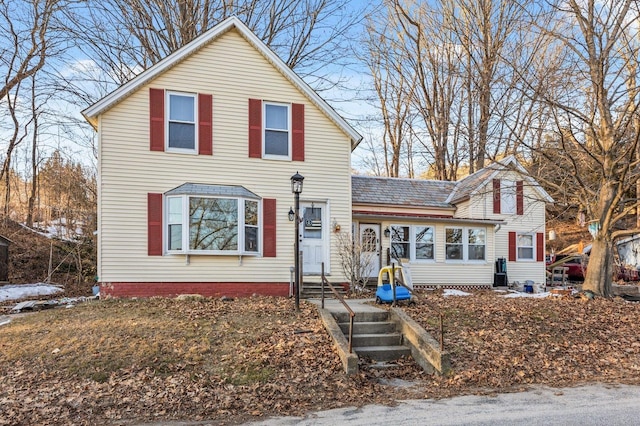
(212, 225)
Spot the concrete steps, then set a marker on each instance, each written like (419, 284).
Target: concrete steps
(374, 336)
(314, 291)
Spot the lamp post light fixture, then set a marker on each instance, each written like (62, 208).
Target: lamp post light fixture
(296, 189)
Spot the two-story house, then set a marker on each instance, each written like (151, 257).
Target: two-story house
(195, 159)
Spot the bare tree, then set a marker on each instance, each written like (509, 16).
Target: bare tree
(128, 36)
(588, 81)
(393, 89)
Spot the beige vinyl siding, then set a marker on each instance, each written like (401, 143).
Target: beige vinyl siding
(533, 220)
(232, 71)
(445, 272)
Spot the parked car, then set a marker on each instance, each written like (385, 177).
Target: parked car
(577, 268)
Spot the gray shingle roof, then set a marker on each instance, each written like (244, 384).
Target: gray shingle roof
(401, 192)
(466, 186)
(216, 190)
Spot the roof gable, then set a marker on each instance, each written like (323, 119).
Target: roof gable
(434, 193)
(91, 114)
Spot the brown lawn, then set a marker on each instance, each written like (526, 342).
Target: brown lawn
(132, 361)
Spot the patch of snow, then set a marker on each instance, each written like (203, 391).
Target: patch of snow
(14, 292)
(454, 292)
(531, 295)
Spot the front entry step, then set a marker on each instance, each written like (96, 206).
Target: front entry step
(383, 353)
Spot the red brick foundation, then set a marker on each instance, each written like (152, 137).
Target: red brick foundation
(207, 289)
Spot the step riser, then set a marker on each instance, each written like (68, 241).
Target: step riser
(360, 340)
(369, 327)
(381, 316)
(384, 354)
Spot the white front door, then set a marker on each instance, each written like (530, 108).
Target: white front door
(370, 248)
(313, 237)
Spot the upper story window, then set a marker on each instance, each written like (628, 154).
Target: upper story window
(181, 123)
(277, 141)
(507, 197)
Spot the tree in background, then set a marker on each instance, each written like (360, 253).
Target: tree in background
(586, 77)
(128, 36)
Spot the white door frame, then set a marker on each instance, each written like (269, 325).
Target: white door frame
(377, 258)
(326, 235)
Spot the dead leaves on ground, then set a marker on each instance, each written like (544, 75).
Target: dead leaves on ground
(161, 359)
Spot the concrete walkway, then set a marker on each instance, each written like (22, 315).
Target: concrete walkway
(357, 305)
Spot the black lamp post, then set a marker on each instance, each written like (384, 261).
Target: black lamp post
(296, 188)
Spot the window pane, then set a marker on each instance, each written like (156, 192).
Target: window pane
(454, 251)
(476, 236)
(250, 238)
(424, 235)
(175, 210)
(276, 117)
(251, 213)
(312, 221)
(181, 108)
(454, 235)
(175, 237)
(476, 252)
(182, 135)
(213, 224)
(424, 251)
(525, 240)
(525, 253)
(276, 142)
(400, 247)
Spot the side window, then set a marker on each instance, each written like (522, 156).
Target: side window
(525, 246)
(181, 122)
(276, 130)
(174, 218)
(251, 226)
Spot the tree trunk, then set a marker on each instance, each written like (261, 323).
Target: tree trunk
(599, 270)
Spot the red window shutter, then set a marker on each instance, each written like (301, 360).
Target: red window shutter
(154, 224)
(519, 197)
(205, 129)
(540, 247)
(297, 132)
(255, 128)
(512, 247)
(156, 119)
(269, 227)
(496, 196)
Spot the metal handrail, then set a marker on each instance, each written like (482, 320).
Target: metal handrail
(341, 299)
(422, 299)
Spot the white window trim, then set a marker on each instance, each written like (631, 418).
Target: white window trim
(533, 246)
(465, 245)
(412, 242)
(264, 132)
(185, 228)
(167, 104)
